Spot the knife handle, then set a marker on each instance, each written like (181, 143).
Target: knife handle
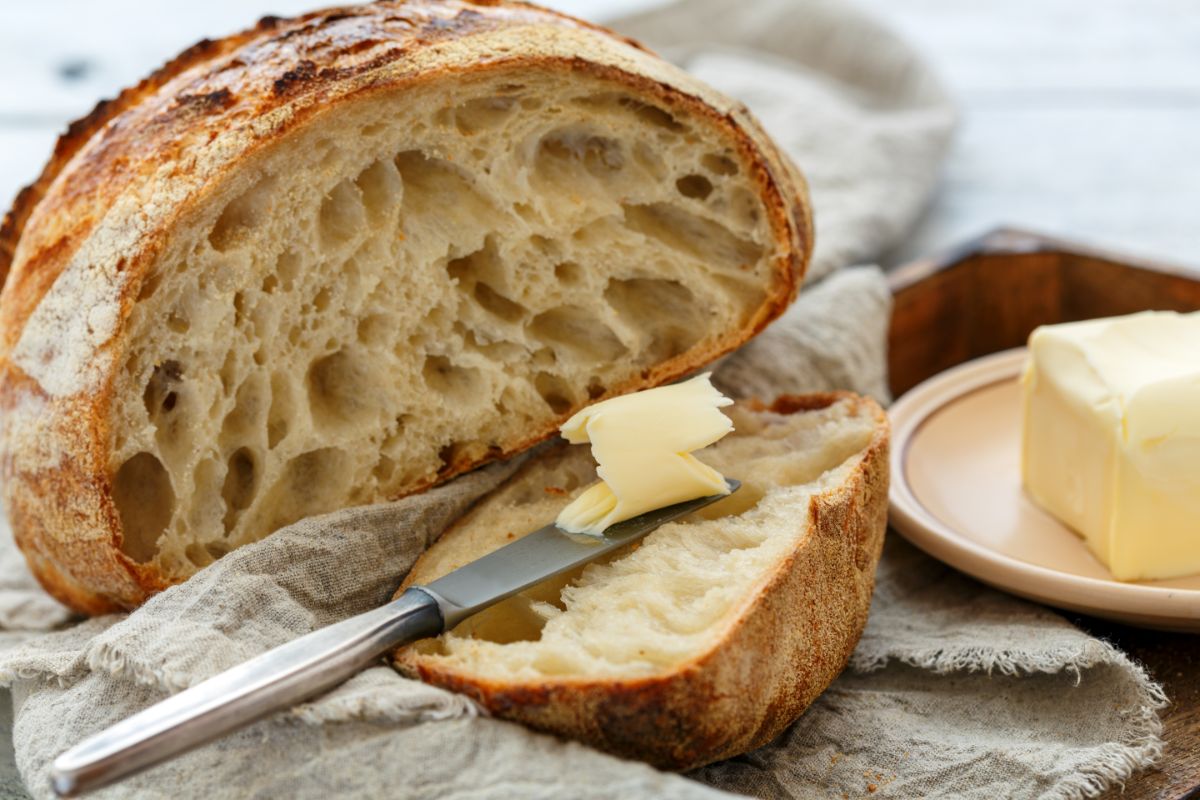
(277, 679)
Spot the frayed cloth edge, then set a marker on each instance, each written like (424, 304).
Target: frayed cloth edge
(1141, 747)
(1011, 662)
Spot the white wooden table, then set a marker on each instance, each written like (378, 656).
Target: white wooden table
(1080, 118)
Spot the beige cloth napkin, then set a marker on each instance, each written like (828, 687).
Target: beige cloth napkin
(954, 691)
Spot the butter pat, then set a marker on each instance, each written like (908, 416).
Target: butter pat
(643, 443)
(1111, 438)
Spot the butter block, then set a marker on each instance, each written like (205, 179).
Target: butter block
(1111, 438)
(643, 443)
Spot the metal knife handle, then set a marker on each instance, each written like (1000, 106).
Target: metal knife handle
(277, 679)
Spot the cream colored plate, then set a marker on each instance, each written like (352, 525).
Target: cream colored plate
(956, 493)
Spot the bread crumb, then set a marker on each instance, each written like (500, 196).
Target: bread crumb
(556, 491)
(872, 788)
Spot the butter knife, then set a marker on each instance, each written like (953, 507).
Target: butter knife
(319, 661)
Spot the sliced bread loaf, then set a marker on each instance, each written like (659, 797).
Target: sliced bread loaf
(711, 635)
(338, 259)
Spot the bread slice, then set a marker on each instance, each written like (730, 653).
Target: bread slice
(338, 259)
(713, 634)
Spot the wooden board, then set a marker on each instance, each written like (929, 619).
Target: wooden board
(988, 296)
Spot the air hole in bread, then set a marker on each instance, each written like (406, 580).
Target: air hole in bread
(456, 454)
(650, 160)
(327, 154)
(374, 330)
(696, 187)
(526, 212)
(446, 457)
(719, 164)
(341, 390)
(288, 267)
(667, 312)
(149, 286)
(145, 502)
(574, 329)
(479, 265)
(652, 115)
(500, 351)
(517, 619)
(457, 383)
(381, 190)
(483, 113)
(241, 483)
(249, 410)
(744, 207)
(435, 187)
(282, 408)
(243, 215)
(178, 323)
(306, 485)
(384, 469)
(389, 468)
(239, 308)
(692, 235)
(595, 388)
(498, 305)
(342, 216)
(161, 393)
(229, 371)
(217, 549)
(569, 273)
(599, 155)
(555, 391)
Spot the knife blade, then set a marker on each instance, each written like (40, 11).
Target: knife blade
(314, 663)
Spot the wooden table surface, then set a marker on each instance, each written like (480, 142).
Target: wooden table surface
(1173, 659)
(1079, 118)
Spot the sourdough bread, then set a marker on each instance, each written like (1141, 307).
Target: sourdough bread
(712, 634)
(338, 259)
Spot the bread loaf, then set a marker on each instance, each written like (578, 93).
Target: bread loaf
(340, 258)
(711, 635)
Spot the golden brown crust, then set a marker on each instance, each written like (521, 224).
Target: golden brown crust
(785, 646)
(177, 134)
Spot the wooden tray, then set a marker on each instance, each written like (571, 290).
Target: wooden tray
(987, 296)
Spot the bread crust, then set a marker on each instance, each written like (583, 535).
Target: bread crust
(782, 648)
(121, 178)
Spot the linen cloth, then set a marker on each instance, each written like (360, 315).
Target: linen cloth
(954, 691)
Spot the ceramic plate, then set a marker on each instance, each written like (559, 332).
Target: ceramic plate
(956, 493)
